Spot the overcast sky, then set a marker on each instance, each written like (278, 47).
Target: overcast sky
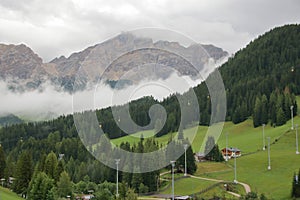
(61, 27)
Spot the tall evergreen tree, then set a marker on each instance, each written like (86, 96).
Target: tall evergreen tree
(24, 170)
(264, 109)
(131, 195)
(209, 145)
(272, 108)
(64, 185)
(214, 153)
(180, 134)
(60, 168)
(2, 162)
(137, 179)
(280, 117)
(190, 159)
(51, 166)
(257, 113)
(40, 187)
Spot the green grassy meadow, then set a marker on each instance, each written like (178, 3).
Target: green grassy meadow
(251, 166)
(186, 186)
(6, 194)
(252, 169)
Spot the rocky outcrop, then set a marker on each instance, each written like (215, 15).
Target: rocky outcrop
(24, 70)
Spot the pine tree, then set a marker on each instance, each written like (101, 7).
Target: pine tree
(137, 179)
(60, 168)
(236, 116)
(150, 180)
(51, 166)
(40, 187)
(64, 185)
(272, 108)
(2, 162)
(122, 190)
(126, 176)
(180, 134)
(24, 172)
(210, 143)
(143, 189)
(280, 117)
(190, 160)
(264, 110)
(257, 113)
(213, 149)
(130, 195)
(218, 155)
(41, 163)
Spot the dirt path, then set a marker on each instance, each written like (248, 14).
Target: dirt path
(167, 172)
(206, 179)
(234, 194)
(246, 186)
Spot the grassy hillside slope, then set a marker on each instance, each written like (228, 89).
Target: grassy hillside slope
(6, 194)
(252, 166)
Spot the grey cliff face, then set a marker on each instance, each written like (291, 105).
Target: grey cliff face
(23, 70)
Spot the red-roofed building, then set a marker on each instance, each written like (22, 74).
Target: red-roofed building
(231, 152)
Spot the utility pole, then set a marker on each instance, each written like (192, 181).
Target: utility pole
(173, 165)
(235, 176)
(226, 159)
(269, 156)
(297, 151)
(117, 163)
(264, 143)
(185, 146)
(292, 115)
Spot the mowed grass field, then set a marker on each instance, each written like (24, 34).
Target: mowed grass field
(252, 166)
(187, 186)
(6, 194)
(196, 135)
(242, 136)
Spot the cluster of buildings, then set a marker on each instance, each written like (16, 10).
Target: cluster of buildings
(227, 153)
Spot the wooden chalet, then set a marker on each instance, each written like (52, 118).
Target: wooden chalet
(231, 152)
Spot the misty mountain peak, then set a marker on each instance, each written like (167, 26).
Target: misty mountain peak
(28, 71)
(18, 61)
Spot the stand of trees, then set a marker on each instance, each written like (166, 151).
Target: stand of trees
(276, 109)
(48, 161)
(262, 78)
(260, 81)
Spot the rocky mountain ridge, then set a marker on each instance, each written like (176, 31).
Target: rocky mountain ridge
(22, 69)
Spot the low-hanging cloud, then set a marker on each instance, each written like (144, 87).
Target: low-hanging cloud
(50, 103)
